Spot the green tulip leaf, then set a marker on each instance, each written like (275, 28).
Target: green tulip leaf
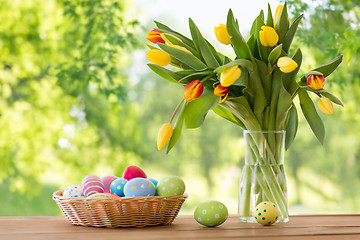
(238, 42)
(265, 78)
(269, 20)
(311, 115)
(197, 75)
(166, 29)
(177, 128)
(290, 34)
(251, 42)
(198, 108)
(164, 73)
(282, 25)
(214, 52)
(275, 54)
(291, 126)
(240, 62)
(184, 57)
(202, 45)
(283, 106)
(178, 42)
(327, 68)
(222, 112)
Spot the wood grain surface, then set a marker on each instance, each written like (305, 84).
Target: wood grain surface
(320, 227)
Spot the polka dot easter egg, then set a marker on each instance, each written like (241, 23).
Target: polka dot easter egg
(98, 195)
(73, 190)
(133, 172)
(266, 213)
(171, 186)
(211, 213)
(107, 182)
(117, 187)
(92, 184)
(139, 187)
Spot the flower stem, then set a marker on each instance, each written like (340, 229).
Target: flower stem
(176, 109)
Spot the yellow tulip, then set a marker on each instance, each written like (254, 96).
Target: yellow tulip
(325, 105)
(286, 64)
(268, 36)
(164, 136)
(277, 13)
(222, 35)
(158, 57)
(222, 92)
(230, 75)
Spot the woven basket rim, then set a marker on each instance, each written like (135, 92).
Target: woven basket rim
(57, 196)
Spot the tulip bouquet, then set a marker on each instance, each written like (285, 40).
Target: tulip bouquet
(255, 91)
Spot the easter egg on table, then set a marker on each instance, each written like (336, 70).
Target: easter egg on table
(211, 213)
(92, 184)
(133, 172)
(107, 180)
(117, 186)
(266, 213)
(139, 187)
(73, 190)
(98, 195)
(170, 186)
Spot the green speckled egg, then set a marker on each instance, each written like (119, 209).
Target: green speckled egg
(266, 213)
(170, 186)
(211, 213)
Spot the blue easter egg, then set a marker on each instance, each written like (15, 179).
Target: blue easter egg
(139, 187)
(117, 186)
(155, 182)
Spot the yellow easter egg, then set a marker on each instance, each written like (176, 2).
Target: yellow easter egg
(266, 213)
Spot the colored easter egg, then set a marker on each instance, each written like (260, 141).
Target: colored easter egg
(107, 182)
(266, 213)
(98, 195)
(155, 182)
(117, 186)
(133, 172)
(73, 190)
(211, 213)
(170, 186)
(113, 195)
(139, 187)
(92, 184)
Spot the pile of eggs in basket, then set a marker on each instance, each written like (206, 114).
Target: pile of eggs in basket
(134, 183)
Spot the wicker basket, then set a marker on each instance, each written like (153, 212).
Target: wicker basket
(120, 212)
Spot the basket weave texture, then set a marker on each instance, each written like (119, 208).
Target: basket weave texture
(120, 212)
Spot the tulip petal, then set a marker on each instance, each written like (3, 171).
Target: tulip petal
(230, 75)
(164, 136)
(158, 57)
(325, 105)
(222, 35)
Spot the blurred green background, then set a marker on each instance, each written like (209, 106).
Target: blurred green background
(77, 98)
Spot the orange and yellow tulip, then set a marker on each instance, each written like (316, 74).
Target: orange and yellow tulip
(222, 34)
(158, 57)
(325, 105)
(230, 75)
(222, 92)
(315, 81)
(154, 36)
(286, 64)
(165, 133)
(268, 36)
(193, 90)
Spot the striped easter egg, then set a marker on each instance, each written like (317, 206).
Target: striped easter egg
(92, 184)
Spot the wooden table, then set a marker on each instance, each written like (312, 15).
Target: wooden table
(185, 227)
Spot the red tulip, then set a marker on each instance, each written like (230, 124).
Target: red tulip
(154, 36)
(315, 81)
(193, 90)
(222, 92)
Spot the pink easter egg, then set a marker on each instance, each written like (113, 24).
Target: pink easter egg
(92, 184)
(107, 182)
(133, 172)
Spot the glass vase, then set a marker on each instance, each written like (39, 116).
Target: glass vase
(263, 177)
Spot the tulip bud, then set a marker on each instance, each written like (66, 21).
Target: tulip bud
(158, 57)
(222, 35)
(164, 136)
(277, 13)
(193, 90)
(286, 64)
(268, 36)
(315, 81)
(154, 36)
(325, 105)
(230, 75)
(222, 92)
